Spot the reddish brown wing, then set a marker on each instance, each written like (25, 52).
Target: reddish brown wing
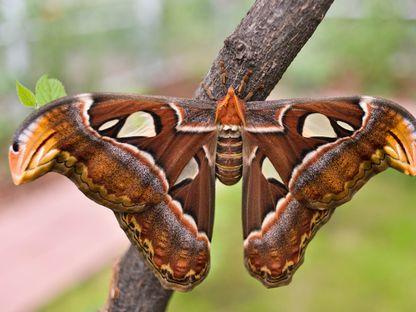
(150, 159)
(181, 146)
(315, 172)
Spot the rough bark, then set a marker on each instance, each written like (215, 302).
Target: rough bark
(266, 42)
(134, 287)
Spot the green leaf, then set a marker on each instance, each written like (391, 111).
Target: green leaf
(26, 97)
(48, 89)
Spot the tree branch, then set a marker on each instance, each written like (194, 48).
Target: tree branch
(266, 41)
(134, 287)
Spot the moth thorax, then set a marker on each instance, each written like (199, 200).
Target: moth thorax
(229, 161)
(229, 131)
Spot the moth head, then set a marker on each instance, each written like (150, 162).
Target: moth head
(35, 146)
(401, 147)
(230, 109)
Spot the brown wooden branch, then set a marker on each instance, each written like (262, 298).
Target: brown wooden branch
(134, 287)
(266, 41)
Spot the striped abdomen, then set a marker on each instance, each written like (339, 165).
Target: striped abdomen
(229, 160)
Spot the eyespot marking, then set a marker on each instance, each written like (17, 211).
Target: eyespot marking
(318, 125)
(345, 125)
(190, 171)
(15, 147)
(108, 124)
(138, 124)
(269, 171)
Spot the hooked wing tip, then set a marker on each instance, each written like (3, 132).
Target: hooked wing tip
(401, 147)
(32, 152)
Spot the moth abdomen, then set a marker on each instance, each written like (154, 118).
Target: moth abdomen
(229, 160)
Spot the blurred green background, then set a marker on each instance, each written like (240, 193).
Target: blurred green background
(363, 259)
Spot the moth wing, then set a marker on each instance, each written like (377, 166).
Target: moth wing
(150, 159)
(324, 169)
(314, 172)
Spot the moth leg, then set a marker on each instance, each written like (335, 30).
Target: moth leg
(208, 92)
(248, 96)
(223, 74)
(244, 81)
(223, 78)
(273, 253)
(251, 93)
